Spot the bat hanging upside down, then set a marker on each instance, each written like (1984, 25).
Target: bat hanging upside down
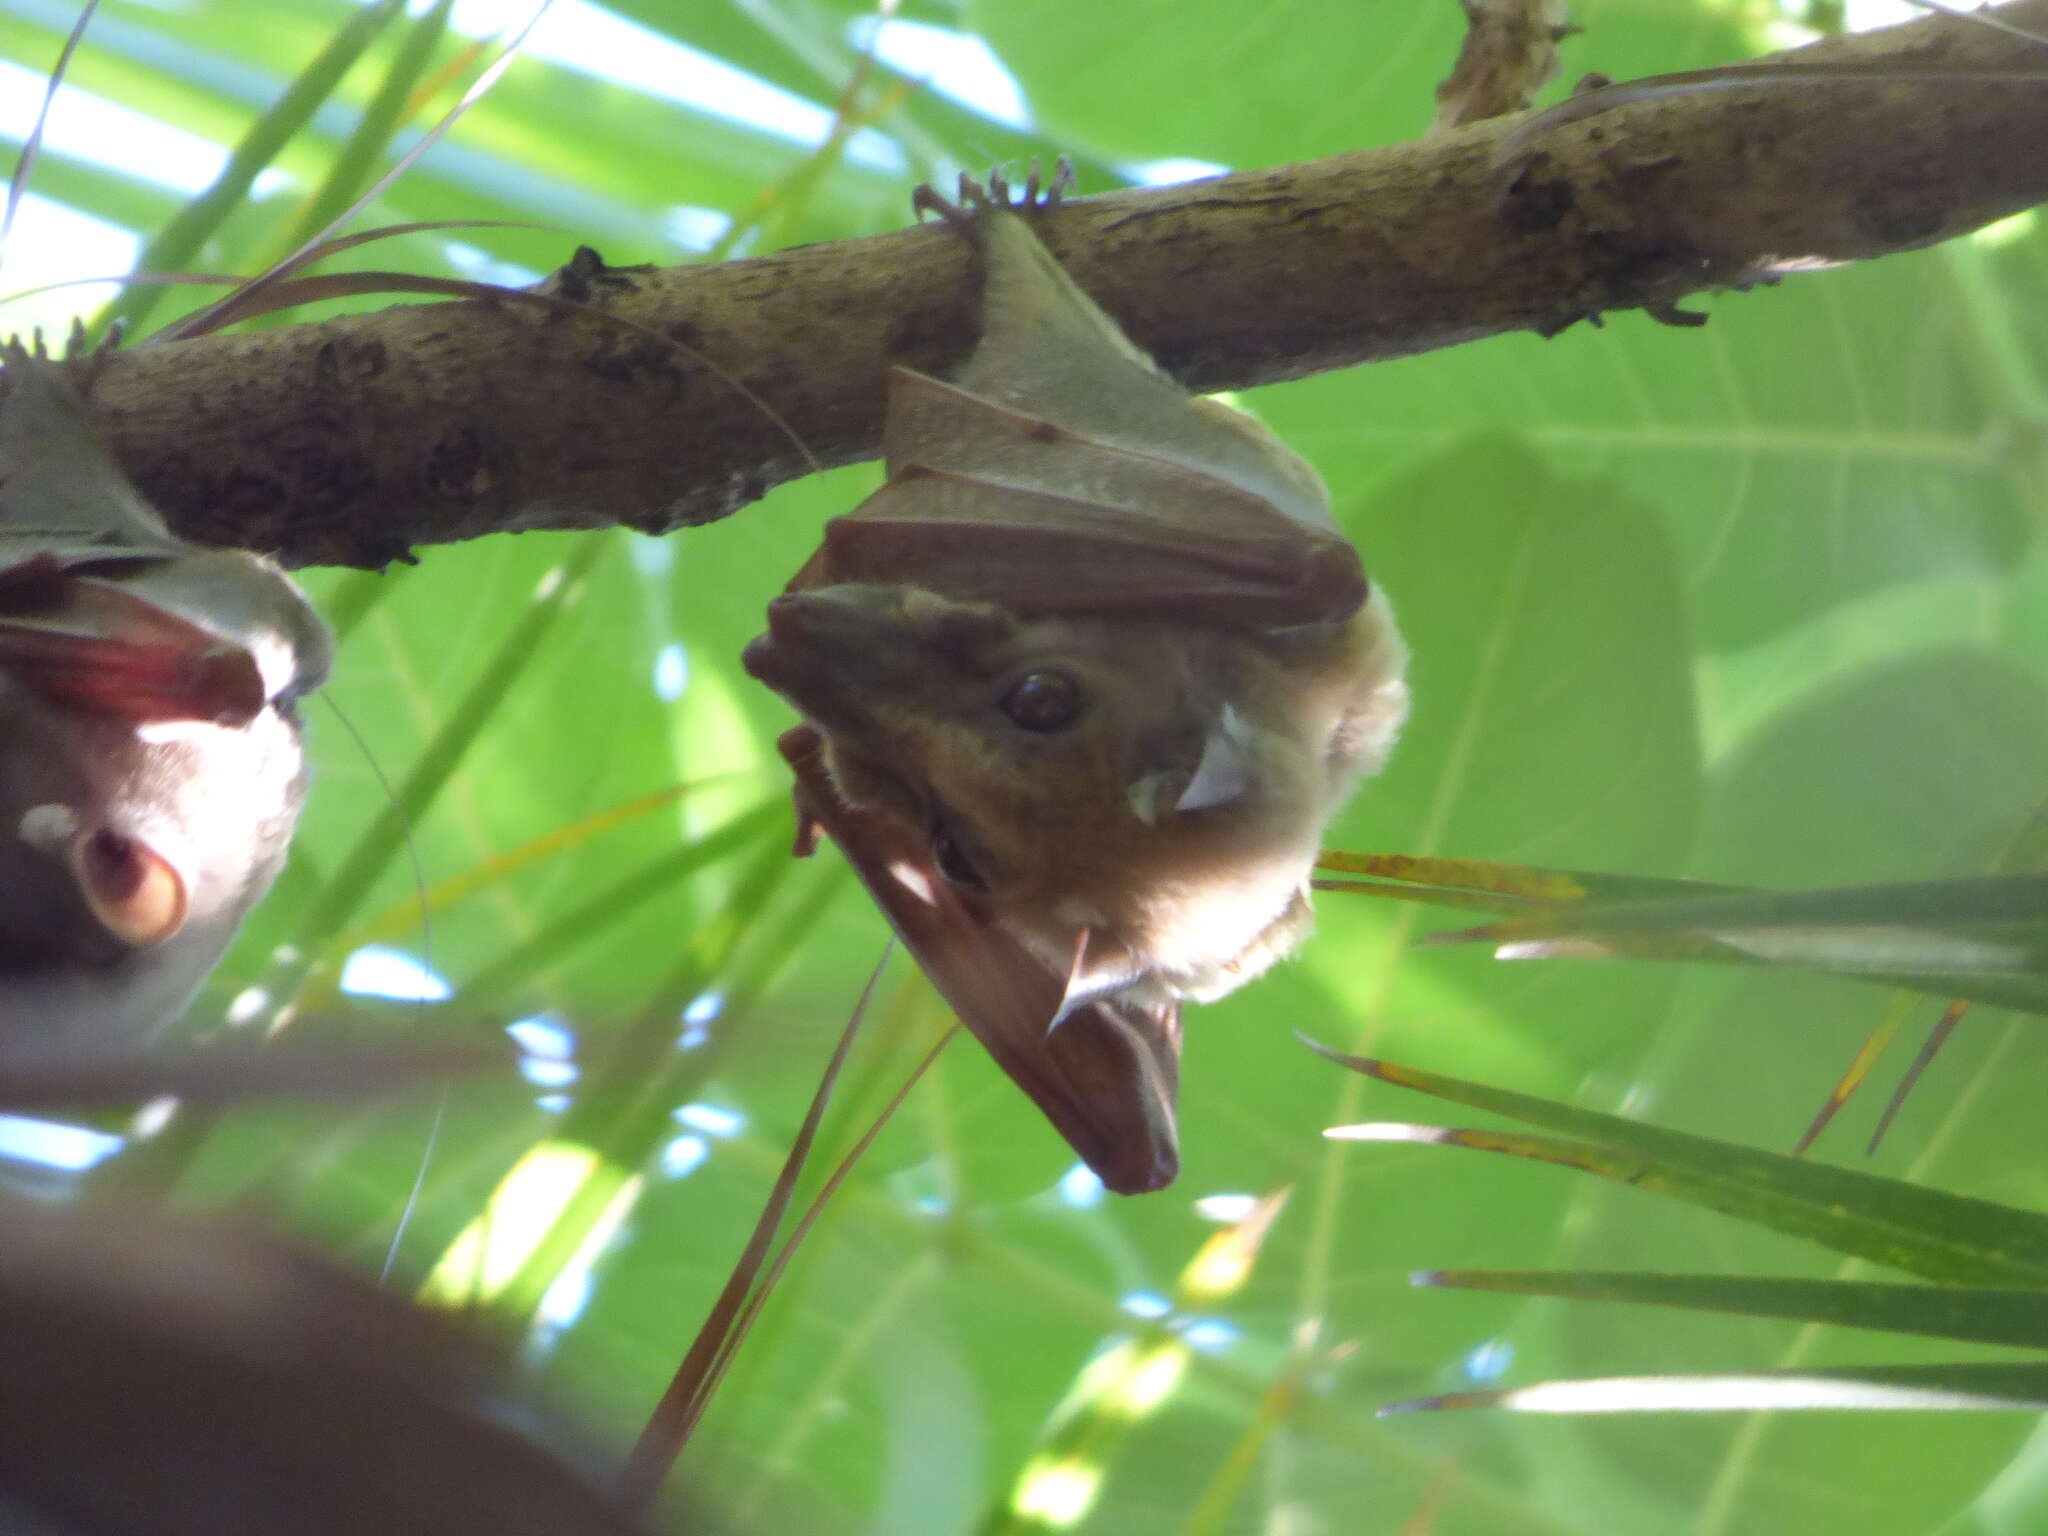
(150, 764)
(1082, 684)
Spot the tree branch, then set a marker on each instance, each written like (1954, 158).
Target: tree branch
(352, 440)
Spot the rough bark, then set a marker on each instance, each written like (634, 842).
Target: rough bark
(353, 440)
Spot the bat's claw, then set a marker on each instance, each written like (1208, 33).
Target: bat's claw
(86, 358)
(976, 197)
(1039, 192)
(1056, 189)
(15, 352)
(82, 361)
(925, 198)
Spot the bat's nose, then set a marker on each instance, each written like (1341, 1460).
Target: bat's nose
(778, 656)
(834, 652)
(759, 659)
(822, 630)
(849, 607)
(798, 655)
(786, 617)
(810, 618)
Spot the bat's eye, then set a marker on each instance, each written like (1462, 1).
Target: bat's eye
(1045, 700)
(950, 862)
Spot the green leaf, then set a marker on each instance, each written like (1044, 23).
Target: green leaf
(1924, 1231)
(1980, 1314)
(180, 241)
(1984, 938)
(1877, 1388)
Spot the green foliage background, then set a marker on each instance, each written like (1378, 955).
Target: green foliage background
(1761, 602)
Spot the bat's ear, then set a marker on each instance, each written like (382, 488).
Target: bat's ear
(135, 893)
(1225, 772)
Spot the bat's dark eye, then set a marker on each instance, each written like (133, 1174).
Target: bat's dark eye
(1045, 700)
(950, 862)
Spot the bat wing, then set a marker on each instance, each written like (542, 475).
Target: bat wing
(91, 644)
(1046, 349)
(1107, 1077)
(1046, 521)
(1061, 472)
(55, 478)
(102, 609)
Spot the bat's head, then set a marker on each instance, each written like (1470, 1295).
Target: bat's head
(150, 761)
(1161, 786)
(129, 852)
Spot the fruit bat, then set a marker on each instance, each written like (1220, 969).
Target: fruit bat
(1082, 684)
(150, 761)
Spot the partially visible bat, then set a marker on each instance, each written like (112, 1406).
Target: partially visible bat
(1082, 684)
(150, 762)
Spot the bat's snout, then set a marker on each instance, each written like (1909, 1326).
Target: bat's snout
(829, 647)
(792, 653)
(831, 616)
